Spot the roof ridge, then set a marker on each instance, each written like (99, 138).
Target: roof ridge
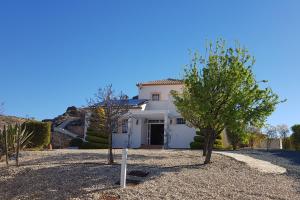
(168, 81)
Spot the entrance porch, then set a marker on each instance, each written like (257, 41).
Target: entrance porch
(145, 128)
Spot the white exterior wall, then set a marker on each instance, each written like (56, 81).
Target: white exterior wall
(180, 135)
(144, 132)
(275, 144)
(135, 137)
(120, 140)
(166, 99)
(145, 92)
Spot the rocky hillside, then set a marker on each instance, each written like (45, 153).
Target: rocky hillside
(67, 126)
(71, 113)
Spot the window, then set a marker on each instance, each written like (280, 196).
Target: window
(125, 126)
(155, 121)
(180, 121)
(155, 97)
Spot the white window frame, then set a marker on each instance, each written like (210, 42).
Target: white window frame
(125, 126)
(180, 120)
(157, 95)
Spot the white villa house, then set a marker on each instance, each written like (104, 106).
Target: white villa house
(154, 120)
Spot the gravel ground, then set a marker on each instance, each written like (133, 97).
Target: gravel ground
(174, 174)
(287, 159)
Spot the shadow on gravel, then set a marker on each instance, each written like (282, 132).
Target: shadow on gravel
(64, 177)
(292, 156)
(95, 157)
(287, 159)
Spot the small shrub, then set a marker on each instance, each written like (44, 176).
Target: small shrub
(196, 145)
(199, 141)
(41, 133)
(296, 136)
(96, 139)
(96, 133)
(76, 142)
(13, 139)
(287, 143)
(91, 145)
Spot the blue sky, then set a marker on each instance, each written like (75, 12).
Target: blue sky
(54, 54)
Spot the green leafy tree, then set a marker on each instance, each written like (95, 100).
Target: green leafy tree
(254, 136)
(237, 137)
(220, 90)
(295, 137)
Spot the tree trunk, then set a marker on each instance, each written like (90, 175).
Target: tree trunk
(234, 145)
(212, 137)
(205, 144)
(6, 148)
(268, 144)
(110, 153)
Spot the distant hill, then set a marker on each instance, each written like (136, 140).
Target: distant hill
(5, 120)
(71, 122)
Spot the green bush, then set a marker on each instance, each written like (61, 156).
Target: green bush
(199, 141)
(196, 145)
(295, 137)
(199, 138)
(95, 136)
(76, 142)
(96, 133)
(95, 139)
(91, 145)
(287, 143)
(218, 144)
(41, 133)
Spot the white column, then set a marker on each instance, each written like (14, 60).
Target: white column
(123, 168)
(166, 123)
(86, 123)
(280, 143)
(129, 132)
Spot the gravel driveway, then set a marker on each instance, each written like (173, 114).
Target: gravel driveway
(174, 174)
(287, 159)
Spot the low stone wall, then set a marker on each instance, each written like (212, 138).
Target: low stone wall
(60, 141)
(275, 144)
(78, 130)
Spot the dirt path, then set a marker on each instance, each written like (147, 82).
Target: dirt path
(260, 165)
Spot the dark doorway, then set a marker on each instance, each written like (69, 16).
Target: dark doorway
(157, 134)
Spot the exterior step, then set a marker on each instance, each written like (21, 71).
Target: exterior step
(146, 146)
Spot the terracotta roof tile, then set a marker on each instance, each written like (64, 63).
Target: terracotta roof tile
(168, 81)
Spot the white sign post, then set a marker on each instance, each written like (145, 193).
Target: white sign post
(123, 168)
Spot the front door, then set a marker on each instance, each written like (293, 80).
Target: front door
(157, 134)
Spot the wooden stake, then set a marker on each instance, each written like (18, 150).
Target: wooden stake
(123, 168)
